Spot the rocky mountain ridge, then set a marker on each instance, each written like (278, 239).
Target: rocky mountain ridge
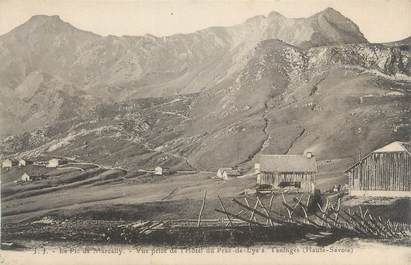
(116, 68)
(217, 97)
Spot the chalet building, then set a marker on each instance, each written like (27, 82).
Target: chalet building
(158, 171)
(27, 177)
(220, 171)
(161, 171)
(9, 163)
(55, 162)
(25, 162)
(287, 172)
(230, 173)
(383, 172)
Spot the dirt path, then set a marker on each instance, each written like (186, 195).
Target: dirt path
(170, 194)
(265, 141)
(295, 140)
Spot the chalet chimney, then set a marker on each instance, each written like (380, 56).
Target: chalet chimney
(257, 167)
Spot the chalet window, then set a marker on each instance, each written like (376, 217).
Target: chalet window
(284, 184)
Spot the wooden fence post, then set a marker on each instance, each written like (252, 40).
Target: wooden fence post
(202, 208)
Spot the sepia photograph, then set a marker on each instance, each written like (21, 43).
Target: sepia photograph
(205, 132)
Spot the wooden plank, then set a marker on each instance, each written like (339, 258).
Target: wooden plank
(266, 212)
(259, 213)
(253, 211)
(238, 217)
(222, 206)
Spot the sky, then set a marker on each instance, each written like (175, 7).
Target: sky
(379, 20)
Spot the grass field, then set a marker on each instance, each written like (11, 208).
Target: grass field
(71, 191)
(95, 198)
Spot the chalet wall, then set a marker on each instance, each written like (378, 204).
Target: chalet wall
(382, 171)
(380, 193)
(274, 179)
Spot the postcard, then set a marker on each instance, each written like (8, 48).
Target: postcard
(205, 132)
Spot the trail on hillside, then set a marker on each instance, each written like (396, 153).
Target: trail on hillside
(168, 196)
(150, 149)
(295, 140)
(170, 154)
(263, 143)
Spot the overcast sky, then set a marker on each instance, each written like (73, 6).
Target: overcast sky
(379, 20)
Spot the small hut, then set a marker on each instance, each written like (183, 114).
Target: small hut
(25, 177)
(25, 162)
(9, 163)
(158, 171)
(291, 172)
(385, 172)
(55, 162)
(161, 171)
(220, 171)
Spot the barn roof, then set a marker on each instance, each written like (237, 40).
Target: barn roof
(407, 146)
(394, 147)
(287, 163)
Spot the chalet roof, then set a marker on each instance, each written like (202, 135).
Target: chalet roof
(164, 168)
(58, 159)
(287, 163)
(231, 172)
(32, 174)
(33, 170)
(10, 159)
(25, 159)
(394, 147)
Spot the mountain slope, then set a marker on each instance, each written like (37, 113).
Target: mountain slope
(213, 98)
(335, 101)
(115, 68)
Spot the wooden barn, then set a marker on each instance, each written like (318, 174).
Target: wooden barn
(383, 172)
(287, 172)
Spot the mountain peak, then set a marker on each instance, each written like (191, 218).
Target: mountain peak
(336, 26)
(38, 20)
(45, 18)
(330, 13)
(45, 25)
(330, 10)
(52, 23)
(255, 19)
(275, 14)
